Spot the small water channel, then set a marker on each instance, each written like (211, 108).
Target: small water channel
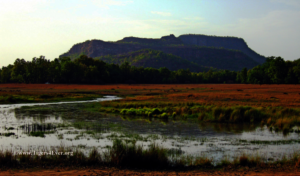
(64, 124)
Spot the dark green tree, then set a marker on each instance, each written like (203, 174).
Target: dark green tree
(277, 70)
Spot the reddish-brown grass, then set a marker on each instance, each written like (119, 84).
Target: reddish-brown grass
(217, 94)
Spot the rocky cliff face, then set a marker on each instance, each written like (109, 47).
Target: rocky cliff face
(190, 47)
(96, 48)
(224, 42)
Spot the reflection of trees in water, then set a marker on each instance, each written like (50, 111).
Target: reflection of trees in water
(95, 126)
(36, 116)
(35, 127)
(228, 127)
(44, 112)
(5, 113)
(131, 123)
(168, 127)
(186, 125)
(146, 119)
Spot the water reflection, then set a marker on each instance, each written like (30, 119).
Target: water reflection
(226, 127)
(35, 127)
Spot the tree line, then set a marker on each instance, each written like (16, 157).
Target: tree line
(86, 70)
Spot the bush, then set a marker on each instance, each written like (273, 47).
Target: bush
(174, 114)
(131, 111)
(123, 111)
(155, 111)
(164, 116)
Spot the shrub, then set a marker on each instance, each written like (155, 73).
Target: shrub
(155, 111)
(164, 116)
(123, 111)
(174, 114)
(131, 111)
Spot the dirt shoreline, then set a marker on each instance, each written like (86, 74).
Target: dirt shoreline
(141, 173)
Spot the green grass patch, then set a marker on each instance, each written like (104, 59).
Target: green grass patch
(283, 119)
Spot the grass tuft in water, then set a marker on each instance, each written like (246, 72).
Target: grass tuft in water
(134, 156)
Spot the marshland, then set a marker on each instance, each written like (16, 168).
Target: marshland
(179, 126)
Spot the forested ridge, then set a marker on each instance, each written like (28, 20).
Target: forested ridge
(153, 58)
(227, 53)
(86, 70)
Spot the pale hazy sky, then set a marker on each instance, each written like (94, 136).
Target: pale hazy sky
(30, 28)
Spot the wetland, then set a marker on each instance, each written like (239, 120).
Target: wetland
(75, 126)
(190, 131)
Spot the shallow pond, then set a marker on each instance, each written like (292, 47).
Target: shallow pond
(53, 125)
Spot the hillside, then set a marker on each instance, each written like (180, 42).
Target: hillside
(222, 42)
(214, 57)
(208, 53)
(153, 58)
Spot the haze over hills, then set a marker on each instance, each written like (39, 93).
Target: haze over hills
(229, 53)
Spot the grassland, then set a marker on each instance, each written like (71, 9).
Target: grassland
(210, 94)
(39, 93)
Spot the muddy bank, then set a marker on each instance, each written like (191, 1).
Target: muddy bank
(117, 172)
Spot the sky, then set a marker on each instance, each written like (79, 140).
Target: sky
(31, 28)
